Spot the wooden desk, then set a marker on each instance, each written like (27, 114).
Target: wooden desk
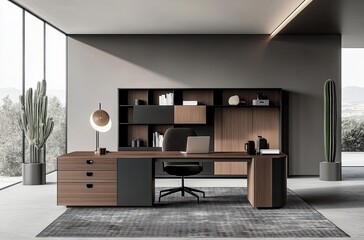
(127, 178)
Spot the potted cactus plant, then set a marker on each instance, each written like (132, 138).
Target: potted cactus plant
(37, 127)
(330, 170)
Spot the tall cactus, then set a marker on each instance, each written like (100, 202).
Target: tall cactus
(330, 120)
(33, 120)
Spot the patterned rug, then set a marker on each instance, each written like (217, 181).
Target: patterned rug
(225, 212)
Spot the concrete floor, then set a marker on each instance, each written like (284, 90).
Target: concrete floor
(27, 210)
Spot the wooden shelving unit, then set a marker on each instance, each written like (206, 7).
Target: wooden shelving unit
(228, 126)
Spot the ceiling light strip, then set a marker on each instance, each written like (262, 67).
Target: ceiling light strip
(293, 14)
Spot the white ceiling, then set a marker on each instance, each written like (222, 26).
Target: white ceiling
(163, 16)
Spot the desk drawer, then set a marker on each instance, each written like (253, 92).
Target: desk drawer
(87, 190)
(87, 164)
(86, 176)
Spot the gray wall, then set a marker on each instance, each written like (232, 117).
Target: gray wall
(99, 64)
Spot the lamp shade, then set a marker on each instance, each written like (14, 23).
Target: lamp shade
(100, 121)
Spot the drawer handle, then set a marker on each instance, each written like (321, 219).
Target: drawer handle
(89, 174)
(89, 185)
(89, 161)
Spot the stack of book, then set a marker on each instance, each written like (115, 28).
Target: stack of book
(166, 99)
(269, 151)
(157, 139)
(194, 103)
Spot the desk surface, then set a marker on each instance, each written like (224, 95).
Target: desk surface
(170, 155)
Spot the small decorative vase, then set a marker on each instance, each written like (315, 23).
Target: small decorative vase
(234, 100)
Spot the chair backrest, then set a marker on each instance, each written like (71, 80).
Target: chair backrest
(175, 139)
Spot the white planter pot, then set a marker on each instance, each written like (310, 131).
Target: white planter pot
(330, 171)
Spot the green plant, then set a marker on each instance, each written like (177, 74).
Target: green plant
(33, 120)
(352, 134)
(10, 139)
(330, 120)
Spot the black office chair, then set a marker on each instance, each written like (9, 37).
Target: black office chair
(175, 139)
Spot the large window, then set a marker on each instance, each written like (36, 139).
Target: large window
(11, 75)
(41, 52)
(34, 50)
(353, 107)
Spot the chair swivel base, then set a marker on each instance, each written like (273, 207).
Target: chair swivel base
(182, 189)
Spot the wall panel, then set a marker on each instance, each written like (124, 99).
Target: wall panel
(99, 64)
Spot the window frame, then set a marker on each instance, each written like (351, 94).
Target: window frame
(23, 80)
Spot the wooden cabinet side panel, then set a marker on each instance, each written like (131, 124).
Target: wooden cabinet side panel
(251, 176)
(190, 114)
(266, 124)
(263, 182)
(232, 128)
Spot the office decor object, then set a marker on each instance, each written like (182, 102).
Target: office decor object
(137, 143)
(175, 140)
(190, 103)
(229, 127)
(269, 151)
(330, 170)
(101, 151)
(166, 99)
(133, 143)
(260, 102)
(262, 143)
(234, 100)
(100, 121)
(37, 127)
(138, 102)
(158, 139)
(250, 147)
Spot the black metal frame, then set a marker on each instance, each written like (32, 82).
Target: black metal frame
(182, 189)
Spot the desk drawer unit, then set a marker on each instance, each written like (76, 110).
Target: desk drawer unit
(87, 182)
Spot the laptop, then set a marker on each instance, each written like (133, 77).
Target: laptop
(198, 144)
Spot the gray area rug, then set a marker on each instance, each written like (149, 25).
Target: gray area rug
(225, 212)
